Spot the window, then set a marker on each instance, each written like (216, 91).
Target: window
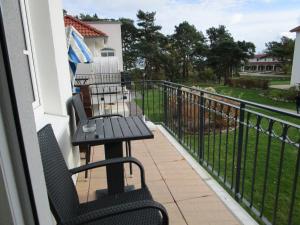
(29, 52)
(107, 52)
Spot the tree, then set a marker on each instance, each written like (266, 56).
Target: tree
(87, 17)
(129, 42)
(149, 39)
(170, 59)
(188, 42)
(218, 34)
(225, 54)
(247, 50)
(283, 50)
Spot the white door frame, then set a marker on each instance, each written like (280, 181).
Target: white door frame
(23, 196)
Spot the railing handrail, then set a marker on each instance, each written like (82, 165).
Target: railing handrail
(99, 73)
(249, 103)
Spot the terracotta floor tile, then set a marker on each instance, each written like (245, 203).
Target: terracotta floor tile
(160, 191)
(168, 177)
(206, 210)
(96, 184)
(188, 190)
(175, 217)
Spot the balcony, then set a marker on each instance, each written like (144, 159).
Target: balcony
(251, 150)
(171, 180)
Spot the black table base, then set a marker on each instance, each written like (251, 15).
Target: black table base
(103, 192)
(114, 173)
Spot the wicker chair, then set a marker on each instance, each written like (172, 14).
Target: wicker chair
(81, 114)
(129, 208)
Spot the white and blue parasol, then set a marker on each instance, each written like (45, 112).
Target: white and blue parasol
(78, 51)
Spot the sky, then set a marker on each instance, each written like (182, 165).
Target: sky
(258, 21)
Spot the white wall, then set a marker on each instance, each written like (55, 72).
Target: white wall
(50, 50)
(295, 79)
(95, 44)
(113, 30)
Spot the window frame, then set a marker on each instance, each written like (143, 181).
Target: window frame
(30, 52)
(105, 52)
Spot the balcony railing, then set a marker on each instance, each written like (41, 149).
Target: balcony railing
(102, 78)
(251, 149)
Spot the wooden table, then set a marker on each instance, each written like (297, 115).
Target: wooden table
(112, 132)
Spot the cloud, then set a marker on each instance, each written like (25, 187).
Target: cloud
(258, 21)
(236, 18)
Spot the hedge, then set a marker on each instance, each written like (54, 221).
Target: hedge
(249, 83)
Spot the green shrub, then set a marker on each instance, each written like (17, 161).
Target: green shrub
(207, 75)
(249, 83)
(282, 95)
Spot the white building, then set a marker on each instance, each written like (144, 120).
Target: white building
(295, 79)
(113, 47)
(95, 39)
(262, 63)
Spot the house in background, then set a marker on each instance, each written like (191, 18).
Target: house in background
(262, 63)
(295, 79)
(113, 46)
(105, 46)
(95, 39)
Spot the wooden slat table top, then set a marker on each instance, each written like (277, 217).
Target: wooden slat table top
(113, 129)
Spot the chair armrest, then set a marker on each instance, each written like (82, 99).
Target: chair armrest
(105, 116)
(117, 210)
(111, 162)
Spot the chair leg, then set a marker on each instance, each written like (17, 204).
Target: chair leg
(129, 154)
(87, 158)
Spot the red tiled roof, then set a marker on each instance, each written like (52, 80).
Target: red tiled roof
(258, 56)
(83, 28)
(265, 63)
(296, 29)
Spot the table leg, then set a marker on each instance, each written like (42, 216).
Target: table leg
(87, 150)
(115, 173)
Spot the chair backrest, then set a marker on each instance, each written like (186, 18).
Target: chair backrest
(79, 108)
(62, 194)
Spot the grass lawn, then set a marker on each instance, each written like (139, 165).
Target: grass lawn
(220, 154)
(277, 82)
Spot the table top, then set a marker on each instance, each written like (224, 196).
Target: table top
(113, 129)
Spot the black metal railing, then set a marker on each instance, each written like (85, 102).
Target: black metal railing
(102, 78)
(253, 150)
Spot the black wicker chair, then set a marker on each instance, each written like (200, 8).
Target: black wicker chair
(81, 114)
(129, 208)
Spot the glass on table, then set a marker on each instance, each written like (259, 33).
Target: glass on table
(88, 128)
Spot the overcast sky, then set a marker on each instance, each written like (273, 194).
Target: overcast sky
(258, 21)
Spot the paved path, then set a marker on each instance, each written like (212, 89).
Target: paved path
(281, 86)
(263, 75)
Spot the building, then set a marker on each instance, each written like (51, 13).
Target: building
(113, 47)
(106, 46)
(295, 79)
(94, 38)
(262, 63)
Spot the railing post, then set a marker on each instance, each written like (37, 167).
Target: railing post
(143, 97)
(201, 128)
(165, 104)
(240, 149)
(179, 113)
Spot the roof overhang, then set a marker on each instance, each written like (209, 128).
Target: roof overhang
(296, 29)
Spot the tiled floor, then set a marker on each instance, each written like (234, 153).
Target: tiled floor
(171, 180)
